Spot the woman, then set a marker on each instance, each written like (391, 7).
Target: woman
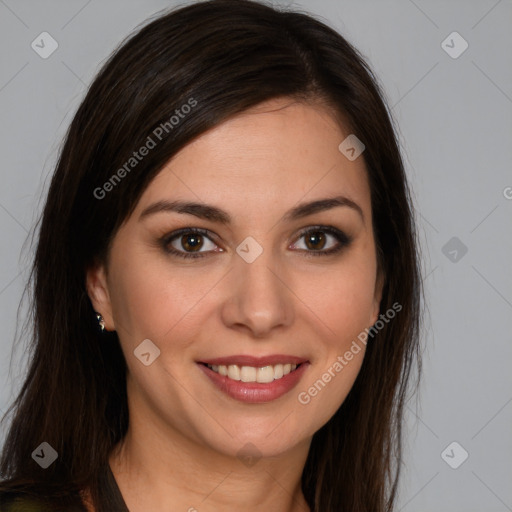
(226, 286)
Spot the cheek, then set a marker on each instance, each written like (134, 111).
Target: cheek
(345, 306)
(346, 310)
(344, 299)
(347, 315)
(151, 300)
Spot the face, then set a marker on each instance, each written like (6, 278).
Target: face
(265, 284)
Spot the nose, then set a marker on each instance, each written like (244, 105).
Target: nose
(259, 299)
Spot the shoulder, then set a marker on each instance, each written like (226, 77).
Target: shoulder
(22, 502)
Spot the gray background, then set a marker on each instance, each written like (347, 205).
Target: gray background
(455, 125)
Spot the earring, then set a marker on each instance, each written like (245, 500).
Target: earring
(101, 322)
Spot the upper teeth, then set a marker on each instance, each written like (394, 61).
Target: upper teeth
(253, 374)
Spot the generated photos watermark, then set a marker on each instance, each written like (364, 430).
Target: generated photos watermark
(152, 140)
(304, 397)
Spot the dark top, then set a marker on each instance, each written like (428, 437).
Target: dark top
(111, 498)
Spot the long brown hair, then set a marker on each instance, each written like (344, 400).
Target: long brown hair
(228, 55)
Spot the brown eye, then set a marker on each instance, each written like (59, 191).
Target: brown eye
(318, 237)
(188, 243)
(191, 242)
(315, 240)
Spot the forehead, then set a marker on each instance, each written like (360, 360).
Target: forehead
(267, 159)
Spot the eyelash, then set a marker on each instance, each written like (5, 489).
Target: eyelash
(343, 241)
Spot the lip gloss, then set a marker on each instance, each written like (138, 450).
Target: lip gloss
(255, 392)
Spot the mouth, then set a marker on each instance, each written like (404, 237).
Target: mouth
(263, 374)
(255, 380)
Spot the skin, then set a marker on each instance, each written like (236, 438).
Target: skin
(180, 452)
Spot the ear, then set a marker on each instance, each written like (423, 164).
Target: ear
(97, 289)
(379, 285)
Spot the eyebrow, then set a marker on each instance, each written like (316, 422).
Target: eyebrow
(215, 214)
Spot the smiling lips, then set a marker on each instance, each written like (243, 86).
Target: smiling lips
(255, 379)
(252, 374)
